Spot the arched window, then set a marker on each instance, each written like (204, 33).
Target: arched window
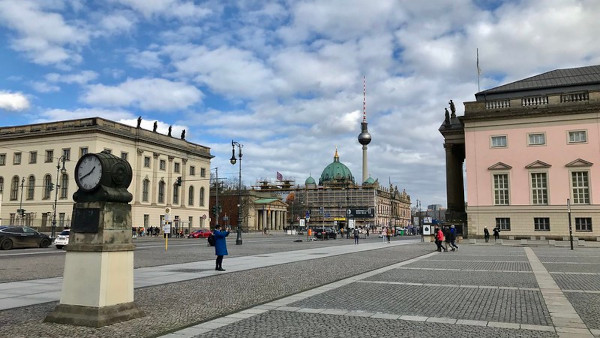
(14, 188)
(161, 192)
(47, 186)
(30, 187)
(202, 196)
(64, 186)
(145, 188)
(175, 194)
(191, 197)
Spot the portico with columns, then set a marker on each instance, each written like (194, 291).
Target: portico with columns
(271, 214)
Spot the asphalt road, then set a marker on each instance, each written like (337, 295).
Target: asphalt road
(35, 263)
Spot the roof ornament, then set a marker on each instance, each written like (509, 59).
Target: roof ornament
(452, 109)
(446, 118)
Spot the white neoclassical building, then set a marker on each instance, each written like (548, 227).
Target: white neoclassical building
(32, 176)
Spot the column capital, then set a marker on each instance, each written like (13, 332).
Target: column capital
(155, 155)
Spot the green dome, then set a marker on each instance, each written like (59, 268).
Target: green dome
(336, 172)
(310, 180)
(369, 180)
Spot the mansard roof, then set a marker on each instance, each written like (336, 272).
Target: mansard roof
(559, 80)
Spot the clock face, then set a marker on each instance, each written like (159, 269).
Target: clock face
(89, 172)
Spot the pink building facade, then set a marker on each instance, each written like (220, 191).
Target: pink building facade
(531, 153)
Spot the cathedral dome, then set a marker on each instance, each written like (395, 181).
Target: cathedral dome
(336, 172)
(310, 181)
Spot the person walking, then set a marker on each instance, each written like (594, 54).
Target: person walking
(486, 234)
(496, 234)
(356, 234)
(439, 239)
(389, 235)
(220, 246)
(453, 238)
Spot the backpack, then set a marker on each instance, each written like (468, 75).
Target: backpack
(211, 240)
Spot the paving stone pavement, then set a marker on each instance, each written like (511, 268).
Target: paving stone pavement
(401, 291)
(475, 292)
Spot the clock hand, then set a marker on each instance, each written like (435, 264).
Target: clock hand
(88, 174)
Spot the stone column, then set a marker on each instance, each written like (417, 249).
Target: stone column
(154, 182)
(455, 193)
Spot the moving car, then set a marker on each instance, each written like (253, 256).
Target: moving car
(62, 239)
(325, 233)
(22, 237)
(202, 233)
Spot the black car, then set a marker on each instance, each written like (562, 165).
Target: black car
(22, 237)
(325, 233)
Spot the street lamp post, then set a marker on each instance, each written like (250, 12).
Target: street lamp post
(233, 160)
(21, 212)
(57, 186)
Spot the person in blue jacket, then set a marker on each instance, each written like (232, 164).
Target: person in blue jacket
(220, 246)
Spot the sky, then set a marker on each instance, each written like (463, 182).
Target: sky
(285, 78)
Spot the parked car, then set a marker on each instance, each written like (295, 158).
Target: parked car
(22, 237)
(62, 239)
(325, 233)
(202, 233)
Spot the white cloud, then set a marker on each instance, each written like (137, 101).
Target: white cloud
(168, 8)
(145, 93)
(43, 36)
(13, 101)
(80, 78)
(64, 114)
(226, 70)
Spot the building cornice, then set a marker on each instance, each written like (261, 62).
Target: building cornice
(102, 126)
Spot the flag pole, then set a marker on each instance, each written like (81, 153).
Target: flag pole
(478, 71)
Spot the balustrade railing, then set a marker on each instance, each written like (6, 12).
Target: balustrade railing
(534, 101)
(574, 97)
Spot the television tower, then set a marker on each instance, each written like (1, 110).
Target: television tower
(364, 137)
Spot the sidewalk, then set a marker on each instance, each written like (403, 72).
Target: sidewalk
(32, 292)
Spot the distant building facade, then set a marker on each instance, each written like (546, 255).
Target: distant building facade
(337, 200)
(530, 146)
(29, 156)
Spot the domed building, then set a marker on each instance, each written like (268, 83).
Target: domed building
(336, 173)
(337, 201)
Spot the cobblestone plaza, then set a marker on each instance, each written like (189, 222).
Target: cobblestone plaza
(479, 291)
(370, 290)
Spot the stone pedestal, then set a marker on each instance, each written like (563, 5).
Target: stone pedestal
(98, 277)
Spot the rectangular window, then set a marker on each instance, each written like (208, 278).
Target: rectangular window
(503, 224)
(175, 194)
(583, 224)
(578, 136)
(177, 168)
(17, 158)
(201, 222)
(541, 223)
(202, 172)
(3, 160)
(498, 141)
(501, 189)
(537, 139)
(32, 157)
(580, 187)
(61, 219)
(539, 189)
(146, 221)
(145, 190)
(49, 156)
(124, 155)
(192, 170)
(83, 151)
(190, 220)
(67, 154)
(163, 165)
(146, 161)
